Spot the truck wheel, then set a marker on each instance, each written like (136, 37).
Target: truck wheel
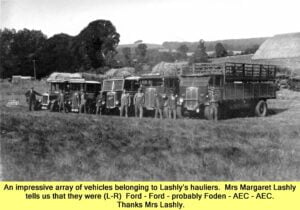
(179, 112)
(67, 108)
(261, 109)
(52, 107)
(207, 112)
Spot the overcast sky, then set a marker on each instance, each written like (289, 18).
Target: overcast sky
(155, 21)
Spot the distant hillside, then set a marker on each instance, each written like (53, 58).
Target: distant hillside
(149, 45)
(229, 44)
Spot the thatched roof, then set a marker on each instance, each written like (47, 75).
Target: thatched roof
(121, 72)
(62, 76)
(169, 68)
(279, 46)
(90, 76)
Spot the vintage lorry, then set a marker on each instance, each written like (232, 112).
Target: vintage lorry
(71, 88)
(214, 90)
(112, 90)
(163, 85)
(76, 87)
(49, 99)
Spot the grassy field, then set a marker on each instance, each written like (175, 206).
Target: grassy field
(54, 146)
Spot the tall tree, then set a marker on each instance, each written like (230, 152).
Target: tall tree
(220, 50)
(126, 52)
(182, 51)
(200, 55)
(141, 52)
(56, 55)
(19, 50)
(251, 50)
(96, 44)
(7, 59)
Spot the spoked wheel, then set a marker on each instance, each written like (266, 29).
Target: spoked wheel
(261, 109)
(179, 112)
(52, 107)
(207, 112)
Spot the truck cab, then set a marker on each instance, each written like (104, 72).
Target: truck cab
(153, 84)
(50, 97)
(91, 89)
(112, 90)
(193, 92)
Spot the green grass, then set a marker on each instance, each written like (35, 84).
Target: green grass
(53, 146)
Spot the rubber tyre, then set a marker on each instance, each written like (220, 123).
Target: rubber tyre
(52, 106)
(261, 109)
(179, 112)
(207, 114)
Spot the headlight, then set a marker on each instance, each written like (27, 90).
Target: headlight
(181, 100)
(103, 102)
(69, 102)
(117, 102)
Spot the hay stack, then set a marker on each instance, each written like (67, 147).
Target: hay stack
(165, 68)
(63, 76)
(280, 46)
(122, 72)
(95, 77)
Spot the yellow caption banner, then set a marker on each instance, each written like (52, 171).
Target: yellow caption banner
(149, 195)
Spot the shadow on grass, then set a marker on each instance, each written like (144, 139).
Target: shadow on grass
(246, 113)
(276, 111)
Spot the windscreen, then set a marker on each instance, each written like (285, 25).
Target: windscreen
(75, 86)
(131, 85)
(107, 85)
(57, 86)
(112, 85)
(152, 82)
(194, 81)
(118, 85)
(92, 87)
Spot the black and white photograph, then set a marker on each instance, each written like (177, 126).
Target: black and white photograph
(150, 90)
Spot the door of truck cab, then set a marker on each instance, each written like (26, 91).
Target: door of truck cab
(215, 88)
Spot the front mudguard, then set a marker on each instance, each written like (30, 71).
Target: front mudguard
(53, 106)
(37, 106)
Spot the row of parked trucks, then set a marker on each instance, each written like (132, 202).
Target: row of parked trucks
(204, 90)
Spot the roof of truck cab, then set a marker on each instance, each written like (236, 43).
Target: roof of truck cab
(133, 78)
(115, 78)
(92, 82)
(77, 80)
(157, 76)
(57, 81)
(198, 75)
